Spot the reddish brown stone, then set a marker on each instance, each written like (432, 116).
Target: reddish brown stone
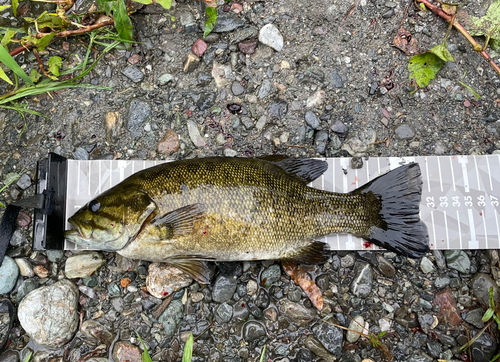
(126, 352)
(236, 8)
(23, 219)
(169, 143)
(199, 47)
(248, 46)
(448, 308)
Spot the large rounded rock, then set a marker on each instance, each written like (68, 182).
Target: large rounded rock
(49, 315)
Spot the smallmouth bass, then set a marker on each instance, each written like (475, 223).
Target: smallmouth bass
(230, 209)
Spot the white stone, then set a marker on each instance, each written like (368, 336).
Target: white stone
(49, 315)
(84, 264)
(271, 36)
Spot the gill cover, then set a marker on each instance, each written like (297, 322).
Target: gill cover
(111, 220)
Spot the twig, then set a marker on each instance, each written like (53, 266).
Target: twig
(378, 142)
(202, 333)
(477, 47)
(40, 64)
(63, 34)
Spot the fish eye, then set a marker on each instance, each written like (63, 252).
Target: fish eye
(94, 205)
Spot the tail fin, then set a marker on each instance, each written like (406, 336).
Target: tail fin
(399, 228)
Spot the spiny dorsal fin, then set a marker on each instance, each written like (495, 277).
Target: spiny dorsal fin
(306, 170)
(199, 270)
(314, 253)
(180, 221)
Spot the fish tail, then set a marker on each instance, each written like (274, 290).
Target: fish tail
(398, 226)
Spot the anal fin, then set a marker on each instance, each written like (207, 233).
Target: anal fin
(314, 253)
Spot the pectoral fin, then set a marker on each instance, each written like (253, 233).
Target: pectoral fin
(178, 222)
(199, 270)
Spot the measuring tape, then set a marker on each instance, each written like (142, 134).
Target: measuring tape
(460, 194)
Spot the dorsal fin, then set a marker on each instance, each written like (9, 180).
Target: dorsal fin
(306, 170)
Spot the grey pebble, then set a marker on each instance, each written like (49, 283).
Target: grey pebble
(404, 132)
(171, 317)
(237, 88)
(458, 260)
(138, 113)
(339, 127)
(24, 182)
(228, 22)
(270, 275)
(361, 285)
(8, 275)
(224, 288)
(264, 89)
(224, 313)
(312, 120)
(253, 330)
(331, 337)
(320, 141)
(133, 73)
(81, 154)
(165, 78)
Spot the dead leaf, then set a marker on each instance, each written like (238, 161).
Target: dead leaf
(449, 9)
(302, 279)
(406, 42)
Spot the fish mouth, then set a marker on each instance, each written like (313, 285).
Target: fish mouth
(75, 235)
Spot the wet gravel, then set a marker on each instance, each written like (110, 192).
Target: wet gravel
(276, 77)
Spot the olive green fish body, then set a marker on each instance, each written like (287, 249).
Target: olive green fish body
(228, 209)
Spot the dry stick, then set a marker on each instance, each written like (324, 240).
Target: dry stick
(64, 34)
(477, 47)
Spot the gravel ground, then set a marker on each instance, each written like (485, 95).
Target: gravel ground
(320, 87)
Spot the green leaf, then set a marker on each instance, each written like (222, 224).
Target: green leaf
(495, 358)
(381, 334)
(3, 7)
(4, 76)
(263, 354)
(35, 75)
(146, 2)
(105, 6)
(487, 316)
(476, 94)
(211, 20)
(43, 42)
(423, 7)
(15, 4)
(167, 4)
(489, 24)
(145, 355)
(8, 35)
(10, 178)
(54, 64)
(123, 24)
(10, 63)
(492, 300)
(442, 52)
(188, 349)
(424, 67)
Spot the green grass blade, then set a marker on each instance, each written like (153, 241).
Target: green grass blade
(28, 357)
(145, 355)
(4, 77)
(476, 94)
(188, 349)
(3, 7)
(10, 63)
(9, 33)
(15, 4)
(263, 355)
